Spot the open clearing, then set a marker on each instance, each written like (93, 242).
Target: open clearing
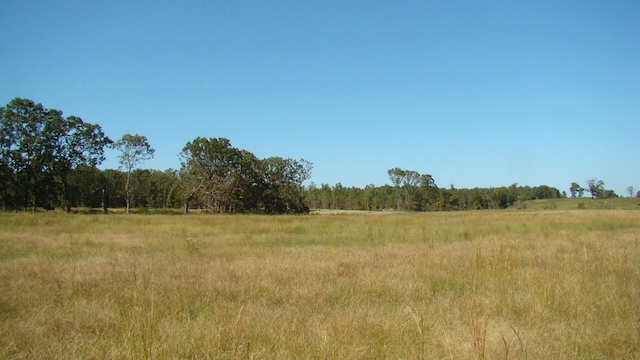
(561, 284)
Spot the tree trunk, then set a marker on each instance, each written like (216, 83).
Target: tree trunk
(104, 200)
(127, 189)
(186, 205)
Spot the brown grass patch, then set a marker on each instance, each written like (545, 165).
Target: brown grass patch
(474, 285)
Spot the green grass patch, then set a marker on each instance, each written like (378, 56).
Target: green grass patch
(584, 203)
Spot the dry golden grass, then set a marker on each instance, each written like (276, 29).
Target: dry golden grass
(468, 285)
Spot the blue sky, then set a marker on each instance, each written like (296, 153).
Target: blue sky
(476, 93)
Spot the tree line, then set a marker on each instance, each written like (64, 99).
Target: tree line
(422, 196)
(597, 190)
(50, 161)
(412, 191)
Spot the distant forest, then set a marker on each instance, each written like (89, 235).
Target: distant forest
(50, 161)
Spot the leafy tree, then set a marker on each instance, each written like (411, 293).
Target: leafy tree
(222, 178)
(164, 189)
(7, 191)
(326, 197)
(428, 193)
(396, 175)
(595, 187)
(114, 184)
(22, 126)
(576, 190)
(207, 167)
(412, 188)
(86, 184)
(135, 150)
(501, 198)
(371, 201)
(311, 196)
(546, 192)
(283, 178)
(249, 181)
(142, 188)
(75, 143)
(410, 184)
(40, 149)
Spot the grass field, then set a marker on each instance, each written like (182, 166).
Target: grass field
(584, 203)
(556, 284)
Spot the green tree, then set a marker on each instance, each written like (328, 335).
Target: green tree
(428, 193)
(207, 166)
(576, 190)
(22, 127)
(248, 183)
(6, 172)
(595, 187)
(410, 184)
(326, 197)
(74, 143)
(114, 185)
(226, 179)
(283, 191)
(164, 187)
(40, 149)
(396, 175)
(135, 150)
(86, 184)
(546, 192)
(412, 188)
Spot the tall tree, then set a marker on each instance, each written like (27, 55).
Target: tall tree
(410, 183)
(595, 187)
(283, 180)
(414, 189)
(6, 172)
(207, 165)
(396, 175)
(135, 150)
(74, 143)
(576, 190)
(428, 192)
(40, 149)
(249, 183)
(22, 126)
(85, 186)
(226, 179)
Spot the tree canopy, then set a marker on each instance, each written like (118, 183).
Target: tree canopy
(135, 150)
(40, 148)
(223, 178)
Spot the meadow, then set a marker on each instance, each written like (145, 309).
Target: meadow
(552, 284)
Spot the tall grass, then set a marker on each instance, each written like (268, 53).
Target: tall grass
(468, 285)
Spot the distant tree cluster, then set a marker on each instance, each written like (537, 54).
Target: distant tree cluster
(596, 188)
(412, 191)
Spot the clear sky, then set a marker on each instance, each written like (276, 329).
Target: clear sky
(475, 93)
